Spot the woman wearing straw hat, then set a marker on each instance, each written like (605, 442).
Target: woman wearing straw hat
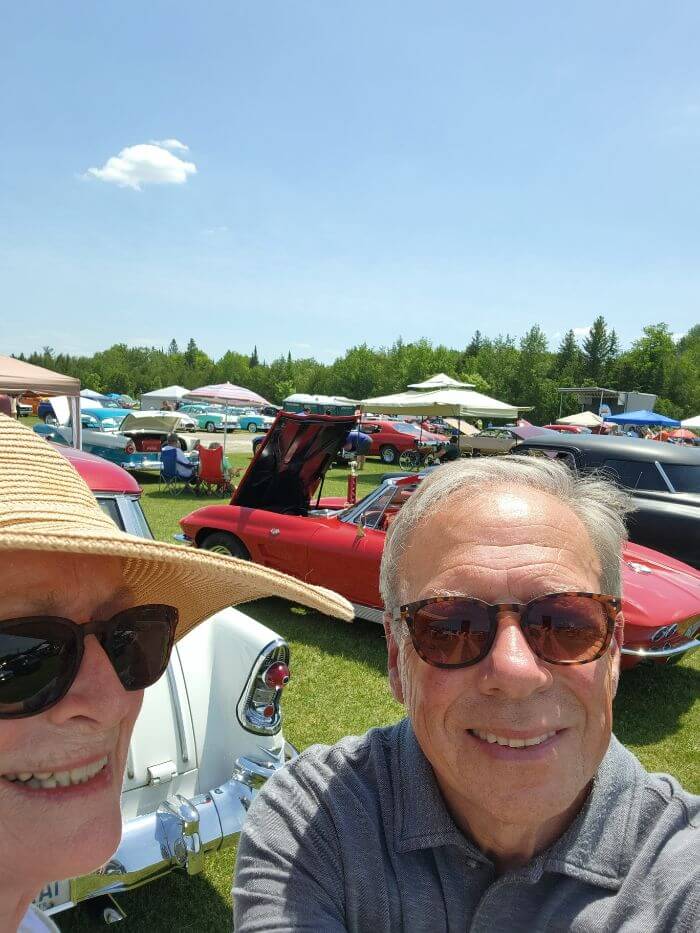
(88, 617)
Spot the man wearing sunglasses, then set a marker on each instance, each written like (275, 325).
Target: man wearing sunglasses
(88, 616)
(502, 802)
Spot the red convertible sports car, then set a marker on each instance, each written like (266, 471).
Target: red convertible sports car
(272, 520)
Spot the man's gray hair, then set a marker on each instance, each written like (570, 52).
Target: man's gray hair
(600, 505)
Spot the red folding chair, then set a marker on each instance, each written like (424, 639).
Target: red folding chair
(211, 471)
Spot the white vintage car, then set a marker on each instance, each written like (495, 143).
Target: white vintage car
(208, 736)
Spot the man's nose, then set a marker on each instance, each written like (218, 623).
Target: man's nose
(511, 668)
(97, 696)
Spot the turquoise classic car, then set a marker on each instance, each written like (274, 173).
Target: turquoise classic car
(135, 446)
(254, 422)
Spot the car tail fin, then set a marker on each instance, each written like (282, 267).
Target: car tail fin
(259, 706)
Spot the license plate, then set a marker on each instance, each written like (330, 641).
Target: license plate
(53, 895)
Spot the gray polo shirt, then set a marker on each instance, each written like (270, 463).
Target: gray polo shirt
(356, 837)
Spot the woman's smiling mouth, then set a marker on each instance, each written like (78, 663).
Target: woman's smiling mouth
(49, 780)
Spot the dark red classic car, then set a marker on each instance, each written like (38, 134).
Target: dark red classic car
(272, 520)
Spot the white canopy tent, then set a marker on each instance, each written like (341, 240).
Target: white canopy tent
(692, 423)
(583, 419)
(154, 399)
(94, 396)
(455, 403)
(441, 381)
(18, 377)
(300, 398)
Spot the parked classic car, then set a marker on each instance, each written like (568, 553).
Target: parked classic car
(209, 418)
(208, 735)
(271, 520)
(135, 446)
(253, 421)
(391, 438)
(664, 480)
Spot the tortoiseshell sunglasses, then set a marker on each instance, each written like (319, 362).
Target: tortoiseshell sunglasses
(560, 628)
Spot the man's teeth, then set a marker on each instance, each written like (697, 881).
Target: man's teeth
(511, 743)
(47, 780)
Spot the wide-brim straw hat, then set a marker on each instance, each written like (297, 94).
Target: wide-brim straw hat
(46, 506)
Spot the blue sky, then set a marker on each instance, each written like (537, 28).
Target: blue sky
(357, 171)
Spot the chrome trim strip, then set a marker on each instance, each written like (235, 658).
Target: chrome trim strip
(177, 706)
(664, 475)
(653, 653)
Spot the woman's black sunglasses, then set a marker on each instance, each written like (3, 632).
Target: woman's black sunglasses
(560, 628)
(40, 656)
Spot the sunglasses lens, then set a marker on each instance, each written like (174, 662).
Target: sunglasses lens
(37, 661)
(451, 632)
(139, 644)
(567, 629)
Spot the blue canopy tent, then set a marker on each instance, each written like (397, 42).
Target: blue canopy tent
(643, 417)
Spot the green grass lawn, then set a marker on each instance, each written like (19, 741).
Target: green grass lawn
(339, 687)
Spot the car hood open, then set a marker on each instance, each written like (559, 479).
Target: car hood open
(291, 462)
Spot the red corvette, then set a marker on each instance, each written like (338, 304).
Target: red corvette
(271, 520)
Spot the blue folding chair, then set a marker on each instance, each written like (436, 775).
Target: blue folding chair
(168, 471)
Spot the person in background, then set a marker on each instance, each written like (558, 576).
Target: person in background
(88, 617)
(185, 468)
(358, 443)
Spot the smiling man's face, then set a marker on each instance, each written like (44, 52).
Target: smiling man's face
(58, 832)
(505, 547)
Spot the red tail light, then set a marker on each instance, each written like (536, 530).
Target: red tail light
(276, 676)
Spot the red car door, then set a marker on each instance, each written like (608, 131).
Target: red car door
(346, 561)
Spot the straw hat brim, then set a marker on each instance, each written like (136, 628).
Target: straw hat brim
(198, 583)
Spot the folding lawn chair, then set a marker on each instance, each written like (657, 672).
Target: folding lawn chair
(211, 471)
(168, 472)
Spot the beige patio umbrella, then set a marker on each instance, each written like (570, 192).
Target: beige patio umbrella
(582, 419)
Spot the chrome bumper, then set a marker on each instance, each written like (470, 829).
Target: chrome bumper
(178, 835)
(183, 539)
(651, 654)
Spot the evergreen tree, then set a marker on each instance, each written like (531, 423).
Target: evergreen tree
(190, 355)
(173, 348)
(254, 361)
(599, 350)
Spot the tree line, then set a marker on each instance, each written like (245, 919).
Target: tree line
(521, 372)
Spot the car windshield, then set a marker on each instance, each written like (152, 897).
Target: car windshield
(683, 476)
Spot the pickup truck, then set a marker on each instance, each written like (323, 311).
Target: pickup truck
(208, 735)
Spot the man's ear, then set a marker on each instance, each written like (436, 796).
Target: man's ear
(618, 636)
(392, 661)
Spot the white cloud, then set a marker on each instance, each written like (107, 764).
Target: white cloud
(145, 164)
(170, 144)
(582, 331)
(214, 231)
(677, 337)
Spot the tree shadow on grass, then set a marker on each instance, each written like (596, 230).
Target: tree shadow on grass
(360, 641)
(651, 700)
